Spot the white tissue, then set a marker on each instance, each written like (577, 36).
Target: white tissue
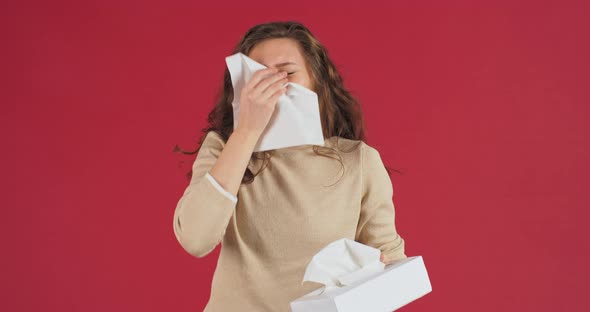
(342, 263)
(296, 119)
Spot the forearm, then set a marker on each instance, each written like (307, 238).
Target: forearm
(204, 210)
(231, 164)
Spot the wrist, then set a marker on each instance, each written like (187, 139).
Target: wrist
(247, 136)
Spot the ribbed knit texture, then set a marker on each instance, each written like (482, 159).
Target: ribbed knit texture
(293, 209)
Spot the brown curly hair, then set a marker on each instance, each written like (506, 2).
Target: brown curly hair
(340, 113)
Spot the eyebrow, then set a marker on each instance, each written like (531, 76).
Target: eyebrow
(284, 64)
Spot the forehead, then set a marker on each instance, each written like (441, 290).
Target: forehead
(271, 52)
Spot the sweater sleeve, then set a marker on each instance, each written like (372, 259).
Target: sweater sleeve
(205, 208)
(376, 226)
(221, 189)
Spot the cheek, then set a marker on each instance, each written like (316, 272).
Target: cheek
(304, 81)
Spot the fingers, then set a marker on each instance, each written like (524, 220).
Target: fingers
(271, 84)
(270, 80)
(385, 260)
(259, 75)
(266, 86)
(275, 96)
(274, 88)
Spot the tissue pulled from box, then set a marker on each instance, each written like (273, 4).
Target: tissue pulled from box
(296, 118)
(343, 262)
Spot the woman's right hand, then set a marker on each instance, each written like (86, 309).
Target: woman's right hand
(258, 99)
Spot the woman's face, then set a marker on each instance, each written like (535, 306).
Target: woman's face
(285, 55)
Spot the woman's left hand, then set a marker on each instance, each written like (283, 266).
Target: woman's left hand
(386, 260)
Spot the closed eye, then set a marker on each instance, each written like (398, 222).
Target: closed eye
(290, 73)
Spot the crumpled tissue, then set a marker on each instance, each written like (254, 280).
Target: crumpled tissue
(342, 263)
(296, 118)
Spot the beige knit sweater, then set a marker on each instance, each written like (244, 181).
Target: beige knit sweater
(270, 231)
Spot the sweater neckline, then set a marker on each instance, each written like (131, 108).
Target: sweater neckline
(296, 148)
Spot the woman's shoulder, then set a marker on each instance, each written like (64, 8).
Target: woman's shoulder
(347, 144)
(211, 143)
(359, 150)
(351, 148)
(213, 139)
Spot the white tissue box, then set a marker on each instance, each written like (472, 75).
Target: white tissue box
(402, 282)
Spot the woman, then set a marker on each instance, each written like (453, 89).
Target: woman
(300, 198)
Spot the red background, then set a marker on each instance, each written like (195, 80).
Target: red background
(483, 105)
